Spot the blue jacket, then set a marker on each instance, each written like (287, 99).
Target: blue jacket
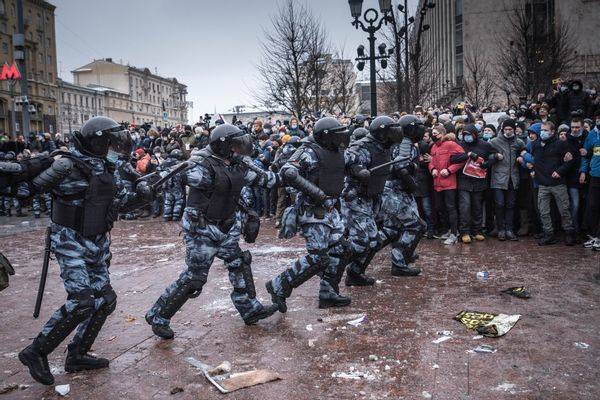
(591, 162)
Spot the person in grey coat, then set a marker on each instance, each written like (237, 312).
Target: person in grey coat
(505, 178)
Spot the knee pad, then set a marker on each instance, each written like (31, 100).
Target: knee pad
(110, 299)
(85, 304)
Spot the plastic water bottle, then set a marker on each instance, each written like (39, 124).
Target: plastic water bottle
(483, 276)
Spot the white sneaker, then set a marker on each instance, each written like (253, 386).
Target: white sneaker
(444, 236)
(596, 245)
(590, 243)
(452, 239)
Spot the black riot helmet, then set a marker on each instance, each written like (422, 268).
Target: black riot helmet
(100, 133)
(385, 130)
(331, 134)
(359, 120)
(226, 139)
(412, 127)
(176, 153)
(358, 134)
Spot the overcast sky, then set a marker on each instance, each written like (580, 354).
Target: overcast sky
(211, 46)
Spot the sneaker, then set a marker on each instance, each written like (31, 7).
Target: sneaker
(596, 246)
(479, 237)
(451, 239)
(570, 238)
(548, 239)
(590, 243)
(466, 239)
(501, 236)
(511, 236)
(443, 236)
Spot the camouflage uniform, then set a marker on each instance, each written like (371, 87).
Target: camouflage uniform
(124, 180)
(173, 192)
(323, 230)
(205, 240)
(38, 200)
(359, 209)
(84, 262)
(399, 215)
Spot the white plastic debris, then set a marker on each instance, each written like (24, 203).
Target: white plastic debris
(484, 348)
(582, 345)
(373, 357)
(357, 321)
(477, 337)
(441, 339)
(309, 327)
(435, 366)
(63, 390)
(426, 394)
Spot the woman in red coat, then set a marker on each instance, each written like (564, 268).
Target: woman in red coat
(444, 178)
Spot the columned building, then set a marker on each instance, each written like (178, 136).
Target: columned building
(77, 104)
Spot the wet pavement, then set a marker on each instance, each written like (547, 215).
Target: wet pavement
(551, 353)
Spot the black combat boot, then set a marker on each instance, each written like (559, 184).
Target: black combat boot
(167, 219)
(277, 299)
(405, 271)
(547, 239)
(162, 331)
(511, 236)
(264, 312)
(329, 291)
(332, 299)
(570, 238)
(76, 361)
(37, 362)
(354, 278)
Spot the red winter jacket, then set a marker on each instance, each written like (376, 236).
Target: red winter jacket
(441, 152)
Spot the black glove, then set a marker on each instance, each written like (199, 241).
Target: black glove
(363, 175)
(5, 270)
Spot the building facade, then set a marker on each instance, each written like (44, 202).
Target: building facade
(135, 95)
(40, 58)
(76, 105)
(460, 27)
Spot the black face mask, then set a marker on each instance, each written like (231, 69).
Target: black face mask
(434, 138)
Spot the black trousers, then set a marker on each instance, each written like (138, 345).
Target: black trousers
(445, 201)
(591, 222)
(470, 205)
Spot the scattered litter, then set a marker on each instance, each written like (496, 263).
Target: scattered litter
(358, 321)
(435, 366)
(220, 369)
(63, 390)
(158, 246)
(441, 339)
(130, 318)
(477, 337)
(505, 387)
(229, 382)
(445, 333)
(482, 276)
(10, 355)
(110, 339)
(373, 357)
(581, 345)
(57, 369)
(518, 291)
(426, 394)
(378, 281)
(176, 390)
(487, 324)
(484, 348)
(338, 317)
(163, 260)
(387, 367)
(354, 375)
(311, 342)
(8, 388)
(309, 327)
(132, 236)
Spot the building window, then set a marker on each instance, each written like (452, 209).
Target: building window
(458, 41)
(2, 7)
(48, 43)
(49, 60)
(87, 101)
(5, 48)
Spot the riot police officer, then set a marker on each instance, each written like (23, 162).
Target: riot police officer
(362, 193)
(174, 188)
(84, 208)
(212, 228)
(400, 219)
(316, 170)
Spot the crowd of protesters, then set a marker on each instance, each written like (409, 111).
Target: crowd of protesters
(534, 170)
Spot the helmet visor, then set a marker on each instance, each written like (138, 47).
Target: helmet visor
(394, 134)
(120, 141)
(242, 144)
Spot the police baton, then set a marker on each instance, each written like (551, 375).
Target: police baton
(387, 164)
(44, 275)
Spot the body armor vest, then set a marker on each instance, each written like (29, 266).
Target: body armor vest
(374, 187)
(329, 176)
(221, 202)
(94, 215)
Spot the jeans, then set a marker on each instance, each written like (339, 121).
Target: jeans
(574, 201)
(470, 205)
(446, 201)
(505, 207)
(559, 193)
(427, 207)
